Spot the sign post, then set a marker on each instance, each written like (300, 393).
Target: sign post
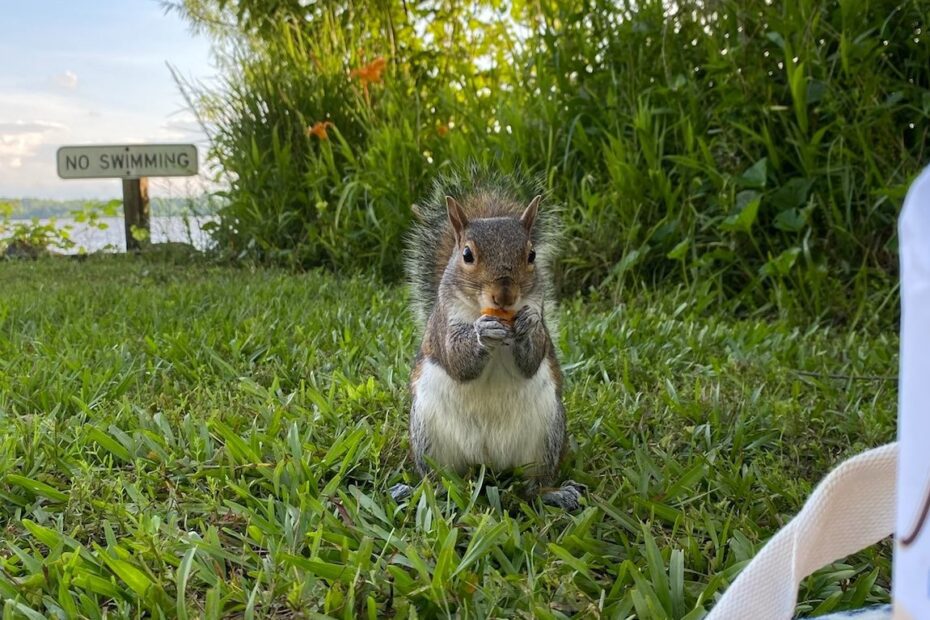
(135, 209)
(133, 163)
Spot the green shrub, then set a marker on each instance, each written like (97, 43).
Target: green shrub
(33, 237)
(758, 151)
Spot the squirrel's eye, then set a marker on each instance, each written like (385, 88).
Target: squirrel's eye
(467, 255)
(532, 256)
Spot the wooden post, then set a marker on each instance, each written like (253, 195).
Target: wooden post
(135, 209)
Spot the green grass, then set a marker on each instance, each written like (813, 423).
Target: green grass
(204, 442)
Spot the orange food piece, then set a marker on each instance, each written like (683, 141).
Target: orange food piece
(503, 315)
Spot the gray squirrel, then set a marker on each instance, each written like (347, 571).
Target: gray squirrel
(486, 384)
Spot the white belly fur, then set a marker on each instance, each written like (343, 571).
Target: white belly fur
(499, 419)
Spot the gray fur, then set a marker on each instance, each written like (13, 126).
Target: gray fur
(555, 442)
(462, 355)
(419, 445)
(530, 342)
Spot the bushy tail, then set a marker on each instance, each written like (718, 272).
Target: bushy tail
(482, 193)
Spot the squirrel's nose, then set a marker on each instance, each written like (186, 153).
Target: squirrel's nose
(503, 297)
(503, 292)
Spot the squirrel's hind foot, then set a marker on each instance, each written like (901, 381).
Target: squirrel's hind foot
(400, 491)
(568, 497)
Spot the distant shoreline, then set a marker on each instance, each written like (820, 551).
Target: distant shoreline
(43, 208)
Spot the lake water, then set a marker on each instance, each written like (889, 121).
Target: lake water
(186, 229)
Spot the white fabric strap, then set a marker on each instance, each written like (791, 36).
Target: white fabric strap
(852, 508)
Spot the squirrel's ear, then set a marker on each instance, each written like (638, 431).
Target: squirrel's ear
(529, 215)
(456, 216)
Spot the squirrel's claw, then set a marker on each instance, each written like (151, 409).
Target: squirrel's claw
(400, 491)
(568, 497)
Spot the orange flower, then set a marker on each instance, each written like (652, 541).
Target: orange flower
(442, 130)
(318, 129)
(370, 73)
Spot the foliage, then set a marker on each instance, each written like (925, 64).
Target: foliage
(214, 442)
(33, 237)
(756, 149)
(30, 238)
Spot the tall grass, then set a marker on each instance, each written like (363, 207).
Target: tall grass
(756, 151)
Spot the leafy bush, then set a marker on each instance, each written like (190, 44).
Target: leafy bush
(33, 237)
(749, 149)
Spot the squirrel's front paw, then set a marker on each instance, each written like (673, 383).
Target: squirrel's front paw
(492, 331)
(526, 320)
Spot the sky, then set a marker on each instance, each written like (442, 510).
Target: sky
(92, 72)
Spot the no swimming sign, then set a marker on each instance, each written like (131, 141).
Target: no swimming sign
(127, 161)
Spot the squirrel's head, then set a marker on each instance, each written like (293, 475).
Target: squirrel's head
(494, 257)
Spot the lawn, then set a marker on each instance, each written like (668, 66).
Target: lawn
(199, 441)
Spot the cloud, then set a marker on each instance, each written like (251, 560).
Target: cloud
(20, 127)
(13, 147)
(67, 80)
(182, 126)
(22, 139)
